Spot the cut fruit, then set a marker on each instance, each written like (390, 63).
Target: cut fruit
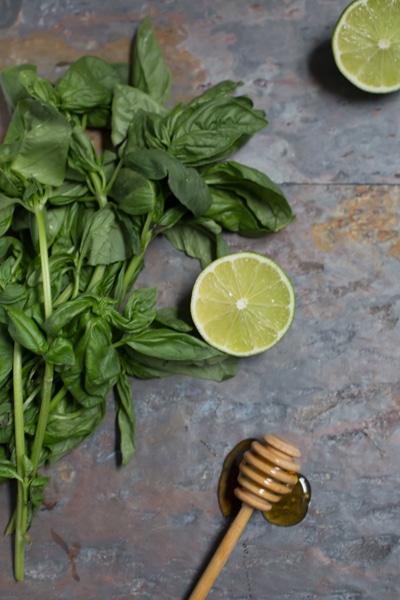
(243, 303)
(366, 45)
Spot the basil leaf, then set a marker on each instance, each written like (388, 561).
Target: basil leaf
(67, 312)
(170, 217)
(259, 194)
(8, 470)
(150, 73)
(42, 136)
(148, 130)
(67, 192)
(70, 233)
(60, 352)
(6, 353)
(24, 330)
(166, 344)
(12, 84)
(185, 183)
(216, 368)
(198, 238)
(189, 187)
(8, 243)
(98, 118)
(171, 317)
(36, 492)
(219, 90)
(102, 367)
(87, 84)
(68, 427)
(122, 72)
(229, 210)
(204, 132)
(104, 238)
(126, 418)
(82, 155)
(6, 215)
(14, 294)
(74, 377)
(6, 418)
(179, 113)
(126, 104)
(140, 307)
(135, 194)
(38, 88)
(11, 185)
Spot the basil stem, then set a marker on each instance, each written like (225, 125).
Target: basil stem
(21, 509)
(101, 197)
(136, 261)
(48, 369)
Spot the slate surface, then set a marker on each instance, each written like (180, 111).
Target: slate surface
(332, 384)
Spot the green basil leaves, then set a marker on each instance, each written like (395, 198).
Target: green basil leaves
(75, 224)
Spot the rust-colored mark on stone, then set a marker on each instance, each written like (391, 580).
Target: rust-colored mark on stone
(370, 217)
(34, 48)
(52, 51)
(394, 249)
(292, 12)
(67, 474)
(187, 70)
(70, 552)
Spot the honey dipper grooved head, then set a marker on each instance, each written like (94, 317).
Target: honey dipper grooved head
(267, 472)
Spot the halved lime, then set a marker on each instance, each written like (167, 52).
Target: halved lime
(243, 303)
(366, 45)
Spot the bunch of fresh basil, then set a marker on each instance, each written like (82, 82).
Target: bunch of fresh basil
(74, 228)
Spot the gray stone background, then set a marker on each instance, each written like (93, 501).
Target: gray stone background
(331, 386)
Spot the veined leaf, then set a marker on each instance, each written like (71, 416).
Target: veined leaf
(217, 368)
(127, 101)
(261, 196)
(12, 84)
(24, 330)
(42, 137)
(185, 183)
(134, 194)
(150, 73)
(172, 345)
(104, 238)
(87, 84)
(199, 238)
(8, 470)
(6, 353)
(203, 132)
(102, 366)
(126, 418)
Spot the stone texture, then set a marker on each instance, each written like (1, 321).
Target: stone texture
(331, 385)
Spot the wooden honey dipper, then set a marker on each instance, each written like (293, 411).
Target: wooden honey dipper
(267, 473)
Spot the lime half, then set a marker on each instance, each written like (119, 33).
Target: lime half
(243, 303)
(366, 45)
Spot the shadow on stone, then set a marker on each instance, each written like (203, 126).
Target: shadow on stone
(322, 66)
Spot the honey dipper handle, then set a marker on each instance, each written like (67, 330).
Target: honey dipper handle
(222, 553)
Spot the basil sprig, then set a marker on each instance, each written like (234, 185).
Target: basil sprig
(74, 229)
